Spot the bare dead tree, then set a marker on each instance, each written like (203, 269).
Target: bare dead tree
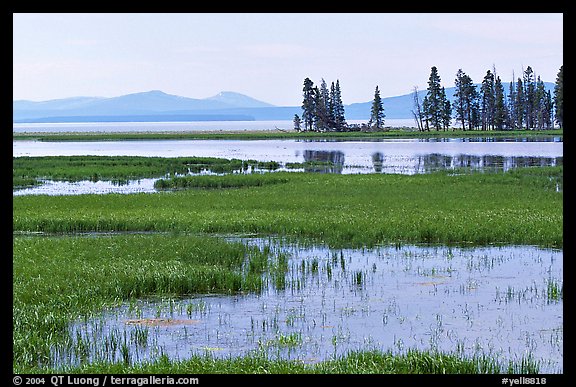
(417, 111)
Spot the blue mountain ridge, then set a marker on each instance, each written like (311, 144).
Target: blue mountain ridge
(157, 106)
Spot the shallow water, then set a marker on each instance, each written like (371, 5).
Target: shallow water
(403, 156)
(495, 301)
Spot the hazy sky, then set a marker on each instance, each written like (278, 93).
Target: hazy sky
(268, 55)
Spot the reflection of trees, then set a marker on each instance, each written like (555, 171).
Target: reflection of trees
(434, 161)
(334, 161)
(377, 161)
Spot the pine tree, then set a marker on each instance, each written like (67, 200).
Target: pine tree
(318, 119)
(377, 112)
(426, 113)
(540, 111)
(323, 119)
(488, 101)
(338, 108)
(308, 108)
(499, 119)
(297, 122)
(475, 117)
(446, 110)
(436, 102)
(511, 115)
(559, 97)
(549, 109)
(464, 99)
(520, 104)
(460, 98)
(529, 98)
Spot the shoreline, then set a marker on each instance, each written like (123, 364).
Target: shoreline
(270, 134)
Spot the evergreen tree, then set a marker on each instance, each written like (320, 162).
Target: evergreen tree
(338, 106)
(332, 106)
(426, 113)
(308, 104)
(297, 122)
(511, 115)
(549, 109)
(475, 116)
(464, 99)
(520, 104)
(436, 102)
(318, 111)
(460, 98)
(377, 112)
(559, 97)
(488, 101)
(323, 117)
(529, 98)
(446, 109)
(540, 108)
(499, 119)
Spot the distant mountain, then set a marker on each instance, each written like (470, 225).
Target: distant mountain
(238, 100)
(55, 104)
(150, 104)
(225, 106)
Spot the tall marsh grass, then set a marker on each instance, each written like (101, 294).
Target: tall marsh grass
(218, 182)
(94, 168)
(517, 206)
(357, 362)
(57, 280)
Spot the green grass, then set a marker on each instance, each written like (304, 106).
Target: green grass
(219, 182)
(60, 279)
(520, 206)
(26, 170)
(271, 134)
(358, 362)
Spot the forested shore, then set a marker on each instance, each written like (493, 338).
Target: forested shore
(526, 105)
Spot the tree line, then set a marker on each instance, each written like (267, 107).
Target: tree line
(323, 110)
(527, 105)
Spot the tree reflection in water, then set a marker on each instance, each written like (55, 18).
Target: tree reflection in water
(435, 161)
(334, 161)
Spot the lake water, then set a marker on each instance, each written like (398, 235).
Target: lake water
(497, 301)
(404, 156)
(174, 126)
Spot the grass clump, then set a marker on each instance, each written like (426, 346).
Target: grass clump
(26, 170)
(219, 181)
(357, 362)
(58, 280)
(351, 210)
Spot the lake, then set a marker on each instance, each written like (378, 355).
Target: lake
(174, 126)
(404, 156)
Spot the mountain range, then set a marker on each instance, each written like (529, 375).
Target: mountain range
(155, 105)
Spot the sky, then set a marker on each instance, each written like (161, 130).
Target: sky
(267, 56)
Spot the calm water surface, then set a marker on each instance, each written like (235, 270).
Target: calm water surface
(405, 156)
(174, 126)
(494, 301)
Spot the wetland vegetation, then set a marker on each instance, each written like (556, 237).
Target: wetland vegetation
(520, 206)
(77, 258)
(279, 134)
